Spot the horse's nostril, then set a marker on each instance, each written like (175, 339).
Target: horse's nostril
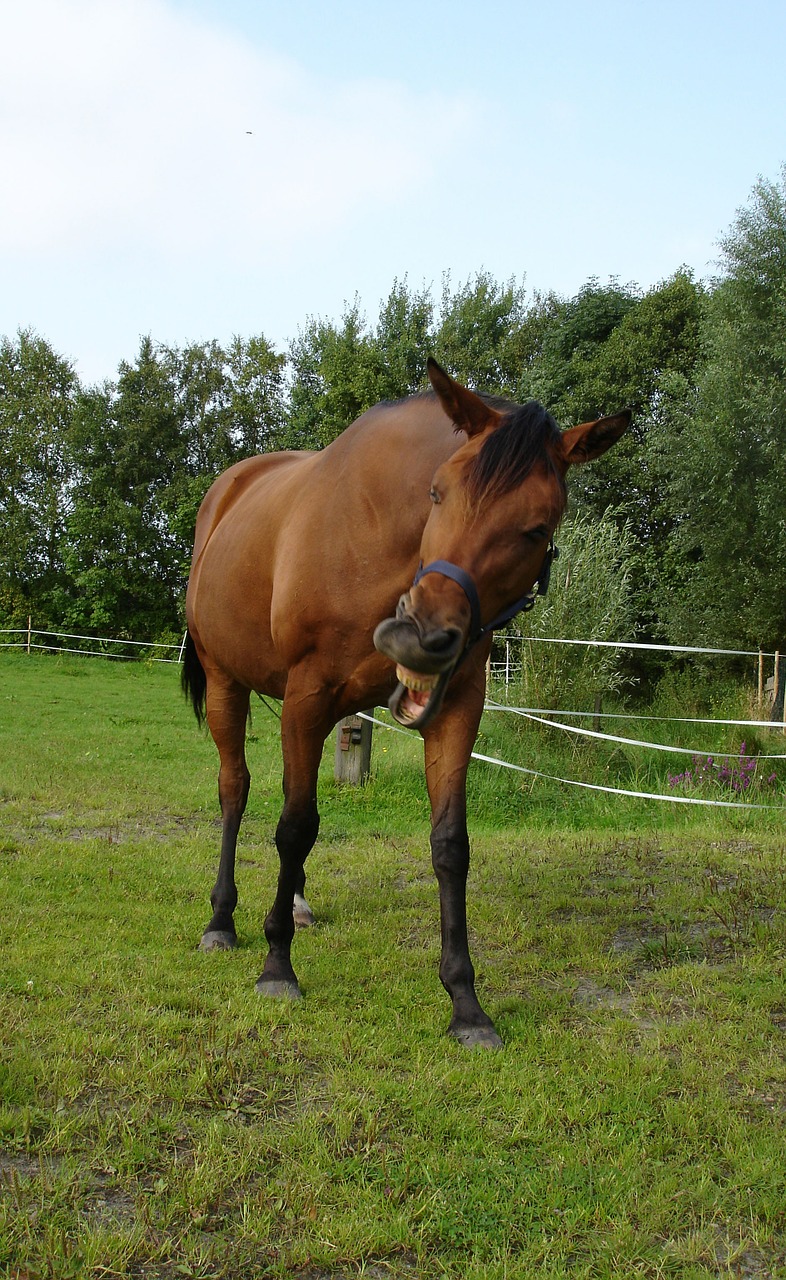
(441, 641)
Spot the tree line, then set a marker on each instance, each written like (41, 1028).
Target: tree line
(99, 485)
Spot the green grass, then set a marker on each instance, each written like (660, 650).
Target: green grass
(157, 1119)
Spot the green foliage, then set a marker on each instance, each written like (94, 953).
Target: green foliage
(120, 554)
(339, 371)
(590, 596)
(729, 547)
(135, 460)
(403, 338)
(609, 349)
(336, 372)
(479, 338)
(567, 372)
(230, 405)
(37, 392)
(482, 332)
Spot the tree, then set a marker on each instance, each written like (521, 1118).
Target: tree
(230, 405)
(404, 341)
(339, 371)
(37, 395)
(335, 375)
(485, 335)
(612, 347)
(647, 362)
(580, 326)
(479, 334)
(146, 450)
(258, 396)
(122, 557)
(729, 551)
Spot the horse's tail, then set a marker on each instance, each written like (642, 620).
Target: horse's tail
(193, 679)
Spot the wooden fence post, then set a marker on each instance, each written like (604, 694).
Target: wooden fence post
(353, 750)
(598, 709)
(760, 691)
(776, 689)
(29, 632)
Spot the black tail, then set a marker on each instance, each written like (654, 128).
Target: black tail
(193, 679)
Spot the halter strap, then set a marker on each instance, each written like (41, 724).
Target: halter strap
(463, 579)
(459, 575)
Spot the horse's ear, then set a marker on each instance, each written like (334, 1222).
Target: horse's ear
(591, 439)
(466, 410)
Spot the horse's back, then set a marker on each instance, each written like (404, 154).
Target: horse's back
(232, 485)
(379, 449)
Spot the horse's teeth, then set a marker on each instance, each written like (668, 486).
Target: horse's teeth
(418, 684)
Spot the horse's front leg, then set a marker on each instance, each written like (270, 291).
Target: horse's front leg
(305, 723)
(448, 745)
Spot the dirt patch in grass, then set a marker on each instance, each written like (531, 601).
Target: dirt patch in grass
(728, 1255)
(155, 827)
(16, 1166)
(402, 1267)
(107, 1207)
(590, 994)
(769, 1097)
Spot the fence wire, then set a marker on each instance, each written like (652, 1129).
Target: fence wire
(539, 715)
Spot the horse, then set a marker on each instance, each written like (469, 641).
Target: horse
(376, 568)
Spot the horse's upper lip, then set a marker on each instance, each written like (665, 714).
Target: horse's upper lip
(425, 653)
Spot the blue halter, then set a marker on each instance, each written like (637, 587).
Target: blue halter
(459, 575)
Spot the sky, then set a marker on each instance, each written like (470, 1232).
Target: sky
(196, 169)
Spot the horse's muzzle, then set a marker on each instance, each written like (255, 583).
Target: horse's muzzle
(425, 661)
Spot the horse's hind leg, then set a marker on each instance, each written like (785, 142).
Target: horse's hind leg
(305, 723)
(301, 911)
(227, 712)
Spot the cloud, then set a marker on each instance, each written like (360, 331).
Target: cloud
(134, 127)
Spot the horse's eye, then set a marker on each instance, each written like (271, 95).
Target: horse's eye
(432, 493)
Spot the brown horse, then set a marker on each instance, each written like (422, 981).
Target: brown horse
(305, 586)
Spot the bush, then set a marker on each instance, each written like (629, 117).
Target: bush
(590, 598)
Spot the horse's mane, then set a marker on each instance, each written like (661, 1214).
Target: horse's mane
(526, 436)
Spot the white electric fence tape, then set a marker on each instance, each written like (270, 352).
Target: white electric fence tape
(630, 742)
(632, 715)
(594, 786)
(641, 644)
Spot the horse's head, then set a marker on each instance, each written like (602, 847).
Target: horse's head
(488, 539)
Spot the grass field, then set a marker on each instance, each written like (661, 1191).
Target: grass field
(157, 1119)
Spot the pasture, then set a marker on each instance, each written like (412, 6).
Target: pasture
(158, 1119)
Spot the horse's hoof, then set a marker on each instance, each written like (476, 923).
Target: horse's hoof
(477, 1037)
(278, 987)
(302, 914)
(218, 940)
